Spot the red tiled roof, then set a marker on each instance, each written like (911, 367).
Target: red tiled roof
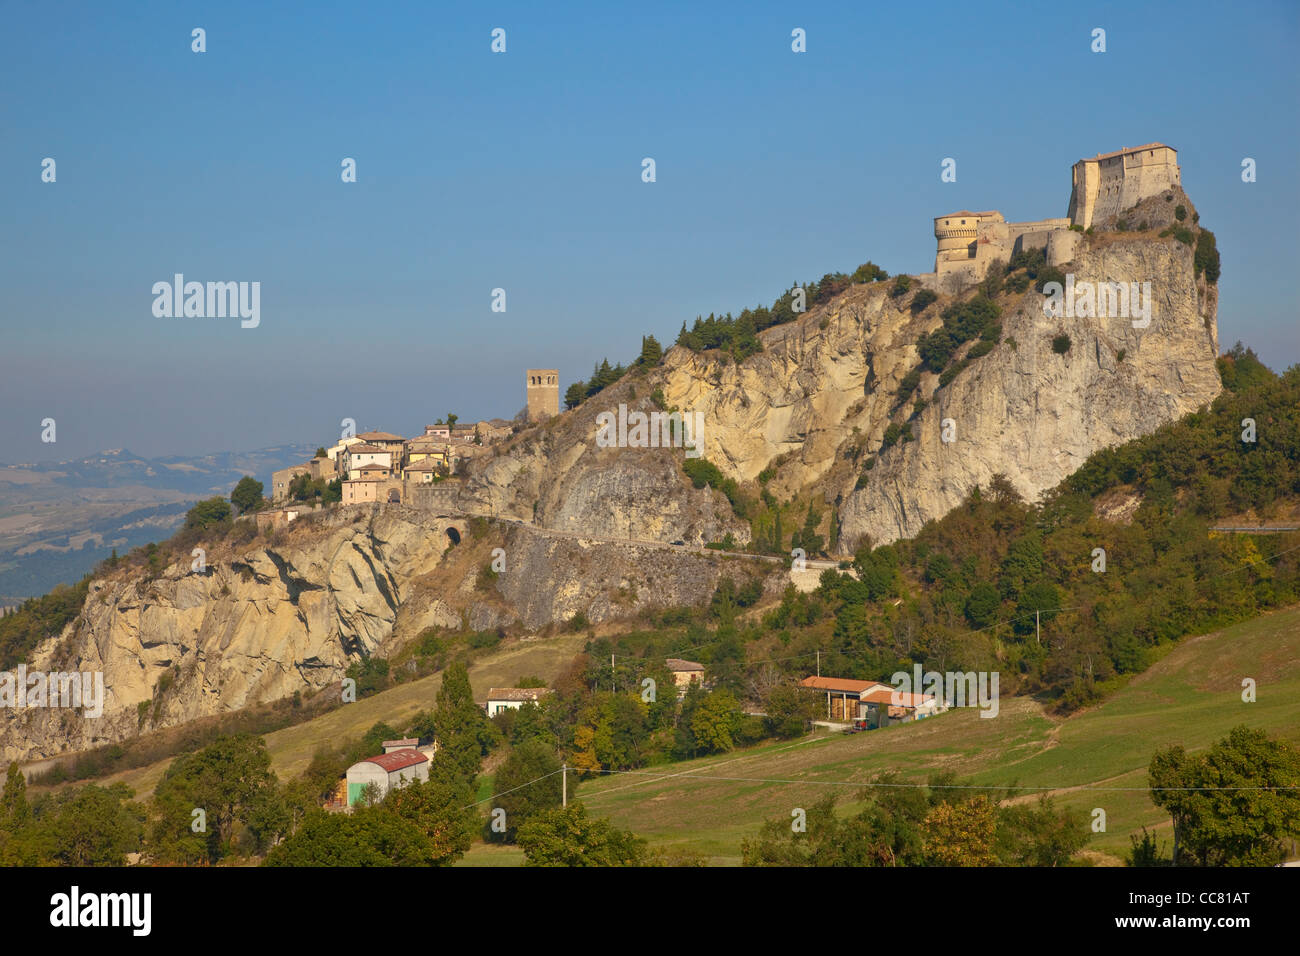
(677, 664)
(842, 685)
(397, 760)
(887, 696)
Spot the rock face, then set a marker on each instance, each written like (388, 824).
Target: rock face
(812, 407)
(823, 392)
(559, 477)
(293, 614)
(1035, 415)
(259, 626)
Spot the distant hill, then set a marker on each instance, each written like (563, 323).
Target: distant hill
(57, 519)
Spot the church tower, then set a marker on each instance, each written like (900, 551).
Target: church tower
(543, 393)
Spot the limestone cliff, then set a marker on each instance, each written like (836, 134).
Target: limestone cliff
(818, 399)
(291, 614)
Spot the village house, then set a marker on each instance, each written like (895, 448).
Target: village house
(685, 673)
(335, 450)
(424, 471)
(424, 447)
(323, 468)
(358, 491)
(512, 698)
(890, 706)
(395, 445)
(355, 457)
(280, 480)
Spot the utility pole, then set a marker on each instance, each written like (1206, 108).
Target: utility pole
(564, 784)
(613, 682)
(1037, 629)
(819, 663)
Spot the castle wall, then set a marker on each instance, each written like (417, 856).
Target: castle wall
(1108, 185)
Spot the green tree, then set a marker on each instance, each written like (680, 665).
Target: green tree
(90, 826)
(373, 836)
(461, 726)
(1039, 835)
(569, 837)
(651, 352)
(715, 722)
(225, 780)
(1234, 805)
(528, 783)
(247, 495)
(209, 512)
(444, 812)
(982, 605)
(14, 811)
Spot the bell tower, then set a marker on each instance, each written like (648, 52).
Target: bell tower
(543, 393)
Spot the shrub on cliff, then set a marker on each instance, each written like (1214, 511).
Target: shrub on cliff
(1207, 256)
(921, 300)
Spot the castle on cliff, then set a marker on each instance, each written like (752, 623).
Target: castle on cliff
(1102, 188)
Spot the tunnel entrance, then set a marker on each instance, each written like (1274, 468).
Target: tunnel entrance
(453, 536)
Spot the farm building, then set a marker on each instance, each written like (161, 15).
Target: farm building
(386, 771)
(844, 696)
(878, 703)
(889, 706)
(512, 698)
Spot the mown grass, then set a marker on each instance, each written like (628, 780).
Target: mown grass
(1192, 697)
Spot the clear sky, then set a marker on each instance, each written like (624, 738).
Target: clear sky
(522, 171)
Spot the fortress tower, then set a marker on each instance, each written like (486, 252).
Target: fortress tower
(958, 233)
(1109, 183)
(543, 393)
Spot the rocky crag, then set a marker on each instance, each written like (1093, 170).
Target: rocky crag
(812, 408)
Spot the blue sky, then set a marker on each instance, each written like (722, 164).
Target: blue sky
(523, 171)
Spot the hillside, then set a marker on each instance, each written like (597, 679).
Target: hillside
(1190, 697)
(812, 416)
(708, 805)
(846, 403)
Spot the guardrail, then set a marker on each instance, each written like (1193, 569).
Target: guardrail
(1258, 529)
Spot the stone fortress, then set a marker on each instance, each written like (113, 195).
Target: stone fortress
(1102, 188)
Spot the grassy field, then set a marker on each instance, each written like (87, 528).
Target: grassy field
(292, 748)
(1192, 697)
